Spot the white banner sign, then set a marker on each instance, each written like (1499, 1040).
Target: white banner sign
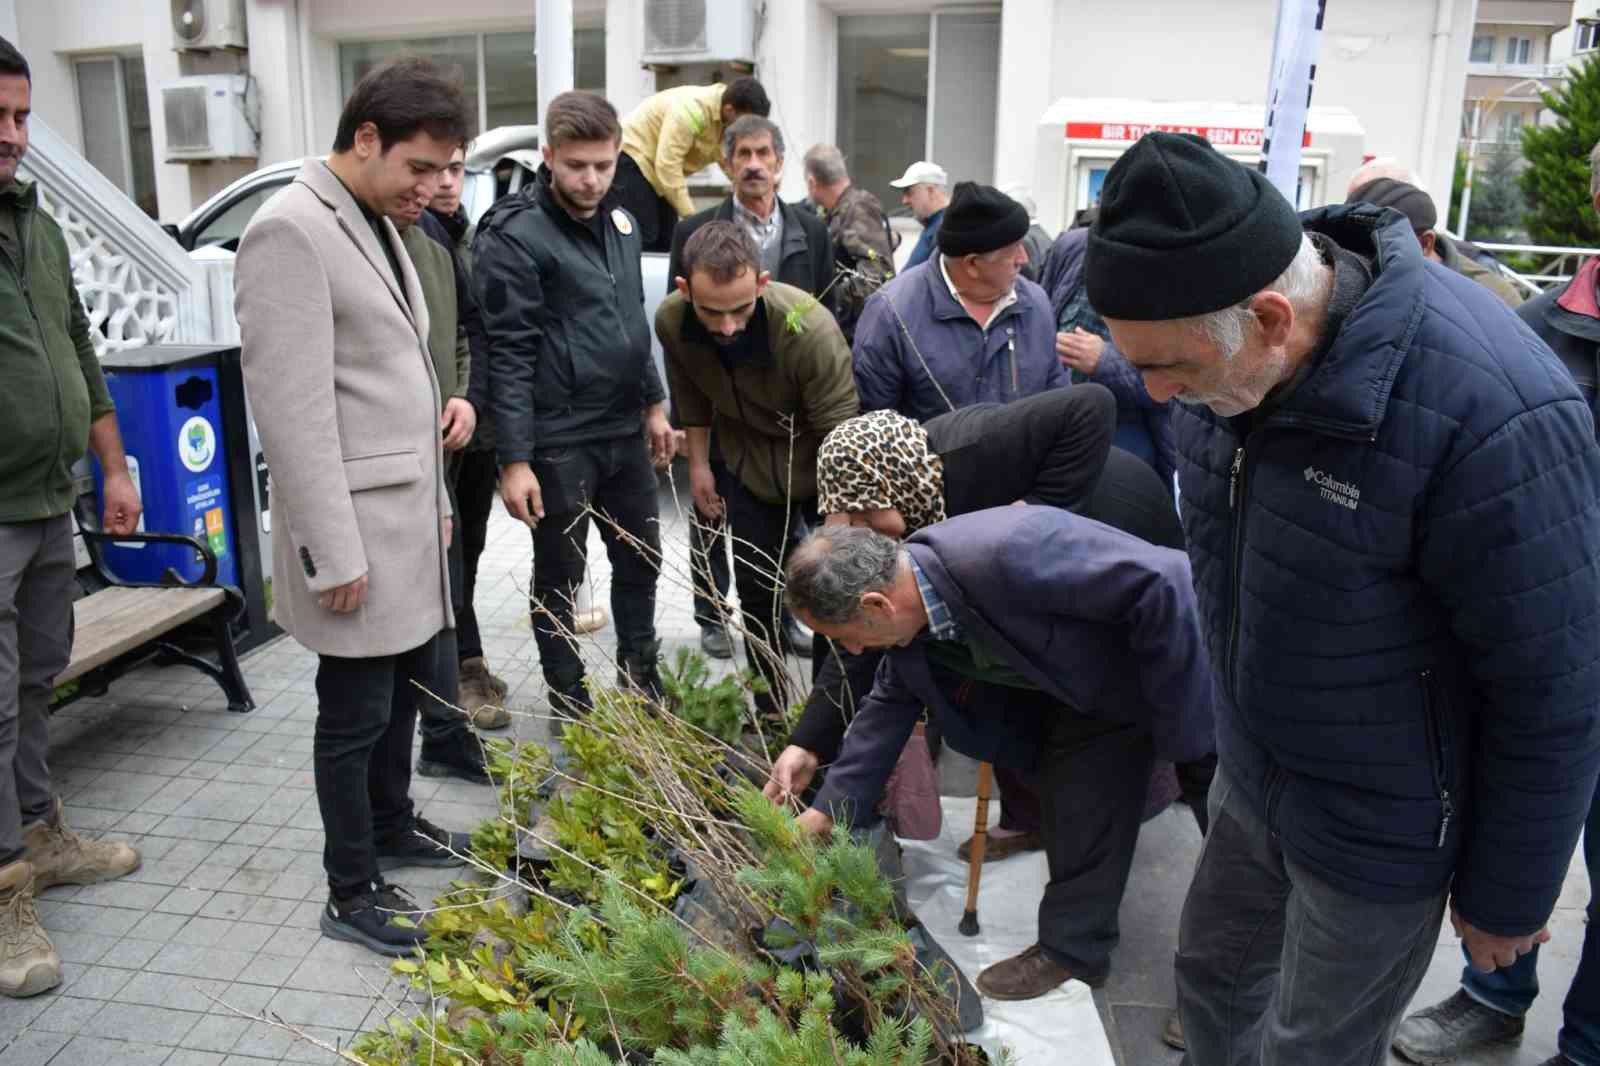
(1294, 70)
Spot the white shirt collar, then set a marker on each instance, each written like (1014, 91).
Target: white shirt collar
(999, 305)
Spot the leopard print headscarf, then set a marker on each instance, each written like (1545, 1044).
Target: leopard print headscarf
(881, 460)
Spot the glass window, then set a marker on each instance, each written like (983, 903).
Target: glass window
(458, 55)
(114, 108)
(510, 79)
(589, 59)
(225, 229)
(1587, 35)
(1518, 49)
(883, 98)
(1511, 127)
(1482, 49)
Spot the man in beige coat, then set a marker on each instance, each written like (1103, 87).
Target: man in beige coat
(334, 329)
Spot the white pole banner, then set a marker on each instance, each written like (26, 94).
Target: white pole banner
(1294, 70)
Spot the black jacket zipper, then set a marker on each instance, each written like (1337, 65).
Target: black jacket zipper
(1439, 756)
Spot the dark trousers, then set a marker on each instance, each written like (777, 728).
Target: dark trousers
(762, 533)
(366, 716)
(708, 560)
(439, 721)
(1091, 780)
(1020, 811)
(616, 479)
(37, 579)
(656, 217)
(1277, 967)
(476, 478)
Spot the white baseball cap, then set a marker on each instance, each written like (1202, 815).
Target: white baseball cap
(922, 172)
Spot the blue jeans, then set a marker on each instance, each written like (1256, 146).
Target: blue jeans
(1512, 990)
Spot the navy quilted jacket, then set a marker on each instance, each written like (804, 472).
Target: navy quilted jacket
(1397, 585)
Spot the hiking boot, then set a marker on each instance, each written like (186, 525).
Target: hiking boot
(60, 856)
(1458, 1026)
(997, 848)
(715, 642)
(1029, 976)
(368, 919)
(28, 961)
(1172, 1032)
(638, 670)
(481, 698)
(460, 755)
(424, 844)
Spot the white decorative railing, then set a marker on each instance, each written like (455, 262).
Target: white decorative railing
(137, 285)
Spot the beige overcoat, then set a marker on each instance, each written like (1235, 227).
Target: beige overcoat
(338, 376)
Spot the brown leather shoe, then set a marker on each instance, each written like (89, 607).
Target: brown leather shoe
(1002, 847)
(1029, 976)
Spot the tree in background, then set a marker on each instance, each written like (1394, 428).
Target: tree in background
(1458, 182)
(1498, 208)
(1556, 181)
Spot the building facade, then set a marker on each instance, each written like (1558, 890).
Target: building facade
(988, 90)
(1514, 56)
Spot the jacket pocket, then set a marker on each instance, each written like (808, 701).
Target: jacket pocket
(1437, 725)
(382, 470)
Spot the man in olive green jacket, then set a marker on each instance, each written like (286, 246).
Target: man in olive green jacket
(767, 366)
(53, 404)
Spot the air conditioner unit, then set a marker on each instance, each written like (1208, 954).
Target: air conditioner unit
(699, 31)
(207, 25)
(211, 116)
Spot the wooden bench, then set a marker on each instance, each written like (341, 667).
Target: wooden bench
(125, 624)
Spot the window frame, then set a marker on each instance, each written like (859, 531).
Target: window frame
(1472, 54)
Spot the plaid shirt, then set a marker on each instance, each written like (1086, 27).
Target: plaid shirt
(942, 625)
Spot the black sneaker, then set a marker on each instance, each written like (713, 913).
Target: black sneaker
(459, 756)
(368, 919)
(424, 845)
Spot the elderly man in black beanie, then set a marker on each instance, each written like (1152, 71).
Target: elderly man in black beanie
(1419, 208)
(1389, 490)
(963, 327)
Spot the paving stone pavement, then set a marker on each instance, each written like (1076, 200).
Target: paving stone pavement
(223, 912)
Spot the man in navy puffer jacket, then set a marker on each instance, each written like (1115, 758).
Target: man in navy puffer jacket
(1389, 487)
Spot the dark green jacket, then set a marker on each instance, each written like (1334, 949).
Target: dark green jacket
(447, 341)
(771, 403)
(52, 386)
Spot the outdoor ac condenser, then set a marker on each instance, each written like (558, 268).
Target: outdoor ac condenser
(211, 116)
(699, 31)
(207, 25)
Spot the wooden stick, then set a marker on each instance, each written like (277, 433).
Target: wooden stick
(980, 837)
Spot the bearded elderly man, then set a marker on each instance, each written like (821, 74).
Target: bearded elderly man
(1039, 640)
(1389, 493)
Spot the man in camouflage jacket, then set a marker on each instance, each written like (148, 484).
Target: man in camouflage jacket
(862, 251)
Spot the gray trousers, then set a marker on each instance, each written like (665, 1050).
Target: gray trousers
(1276, 967)
(37, 571)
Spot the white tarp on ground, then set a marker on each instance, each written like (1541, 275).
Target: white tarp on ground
(1063, 1026)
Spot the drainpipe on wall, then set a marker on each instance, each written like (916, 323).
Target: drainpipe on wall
(553, 50)
(1438, 60)
(308, 114)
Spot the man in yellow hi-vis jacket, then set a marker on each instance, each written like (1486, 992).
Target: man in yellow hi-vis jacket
(671, 135)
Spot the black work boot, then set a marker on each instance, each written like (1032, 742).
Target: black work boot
(369, 919)
(459, 755)
(1458, 1026)
(638, 670)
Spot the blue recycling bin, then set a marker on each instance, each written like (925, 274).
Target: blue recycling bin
(170, 410)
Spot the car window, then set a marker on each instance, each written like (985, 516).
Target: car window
(225, 229)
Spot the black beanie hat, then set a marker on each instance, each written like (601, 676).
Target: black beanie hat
(1409, 200)
(980, 219)
(1184, 230)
